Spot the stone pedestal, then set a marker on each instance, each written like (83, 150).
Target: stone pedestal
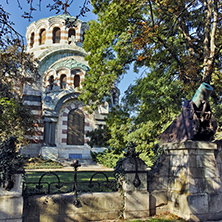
(194, 185)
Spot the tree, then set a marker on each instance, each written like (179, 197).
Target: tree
(10, 162)
(179, 42)
(16, 69)
(179, 37)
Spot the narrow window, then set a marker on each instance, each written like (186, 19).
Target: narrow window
(56, 35)
(72, 32)
(51, 82)
(83, 35)
(76, 80)
(32, 39)
(63, 81)
(42, 36)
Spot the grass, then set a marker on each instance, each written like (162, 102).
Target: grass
(67, 176)
(41, 163)
(50, 180)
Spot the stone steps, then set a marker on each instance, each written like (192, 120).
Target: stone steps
(68, 162)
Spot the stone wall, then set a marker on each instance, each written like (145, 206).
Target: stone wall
(57, 208)
(132, 202)
(187, 181)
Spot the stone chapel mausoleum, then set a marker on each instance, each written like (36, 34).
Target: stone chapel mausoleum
(62, 119)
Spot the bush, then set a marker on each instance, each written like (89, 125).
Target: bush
(10, 162)
(107, 158)
(99, 137)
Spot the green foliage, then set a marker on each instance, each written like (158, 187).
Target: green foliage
(108, 158)
(16, 69)
(149, 34)
(15, 119)
(108, 40)
(10, 162)
(118, 122)
(170, 41)
(99, 137)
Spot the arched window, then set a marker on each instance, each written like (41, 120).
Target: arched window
(72, 32)
(76, 80)
(51, 82)
(32, 39)
(56, 35)
(63, 81)
(75, 130)
(83, 35)
(42, 36)
(76, 73)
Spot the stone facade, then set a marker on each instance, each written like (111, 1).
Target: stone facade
(62, 67)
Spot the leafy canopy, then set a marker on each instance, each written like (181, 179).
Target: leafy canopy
(178, 42)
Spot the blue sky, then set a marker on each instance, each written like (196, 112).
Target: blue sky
(21, 24)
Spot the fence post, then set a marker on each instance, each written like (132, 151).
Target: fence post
(76, 201)
(136, 197)
(11, 202)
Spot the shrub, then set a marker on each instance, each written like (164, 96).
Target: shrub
(107, 158)
(10, 162)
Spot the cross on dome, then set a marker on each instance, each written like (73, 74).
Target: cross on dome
(66, 6)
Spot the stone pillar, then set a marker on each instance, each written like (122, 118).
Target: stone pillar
(46, 133)
(49, 131)
(52, 134)
(194, 185)
(11, 202)
(136, 197)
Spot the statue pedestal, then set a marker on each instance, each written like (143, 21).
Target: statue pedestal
(194, 184)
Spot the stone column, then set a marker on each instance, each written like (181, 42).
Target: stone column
(46, 133)
(194, 185)
(136, 197)
(52, 134)
(49, 131)
(49, 150)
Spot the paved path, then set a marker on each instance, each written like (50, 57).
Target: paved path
(86, 165)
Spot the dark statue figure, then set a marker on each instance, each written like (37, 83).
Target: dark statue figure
(196, 121)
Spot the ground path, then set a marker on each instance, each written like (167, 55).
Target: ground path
(86, 165)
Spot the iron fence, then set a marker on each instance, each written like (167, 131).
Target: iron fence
(98, 182)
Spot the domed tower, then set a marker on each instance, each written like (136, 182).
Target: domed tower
(56, 43)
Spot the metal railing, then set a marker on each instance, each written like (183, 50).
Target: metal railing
(55, 186)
